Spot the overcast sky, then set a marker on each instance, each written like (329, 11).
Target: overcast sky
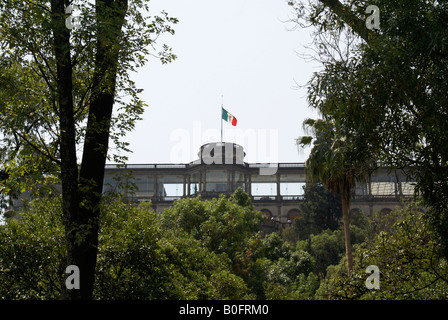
(239, 52)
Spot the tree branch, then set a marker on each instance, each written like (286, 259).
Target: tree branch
(356, 24)
(35, 147)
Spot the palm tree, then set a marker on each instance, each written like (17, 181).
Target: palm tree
(331, 162)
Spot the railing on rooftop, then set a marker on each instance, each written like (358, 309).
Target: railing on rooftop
(264, 198)
(146, 166)
(192, 164)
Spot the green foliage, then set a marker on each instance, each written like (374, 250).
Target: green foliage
(137, 258)
(273, 247)
(229, 228)
(319, 210)
(142, 255)
(387, 95)
(274, 266)
(334, 161)
(222, 225)
(128, 252)
(32, 253)
(408, 257)
(63, 87)
(321, 206)
(195, 250)
(327, 247)
(29, 81)
(148, 263)
(337, 163)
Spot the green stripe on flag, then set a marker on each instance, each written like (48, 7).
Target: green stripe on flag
(228, 117)
(225, 115)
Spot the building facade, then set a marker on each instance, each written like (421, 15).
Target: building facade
(276, 189)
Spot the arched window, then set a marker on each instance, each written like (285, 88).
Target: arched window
(267, 213)
(385, 211)
(293, 213)
(354, 213)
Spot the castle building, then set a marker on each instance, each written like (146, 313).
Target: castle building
(276, 189)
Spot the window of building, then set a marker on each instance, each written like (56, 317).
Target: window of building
(383, 189)
(293, 214)
(239, 181)
(408, 188)
(267, 214)
(173, 189)
(264, 188)
(114, 185)
(194, 183)
(170, 186)
(194, 188)
(354, 214)
(216, 180)
(361, 189)
(144, 185)
(291, 188)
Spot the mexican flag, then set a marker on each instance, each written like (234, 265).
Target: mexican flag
(228, 117)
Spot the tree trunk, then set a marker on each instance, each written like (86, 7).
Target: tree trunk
(96, 143)
(346, 221)
(81, 197)
(91, 184)
(69, 168)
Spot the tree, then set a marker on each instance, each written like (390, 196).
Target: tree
(276, 271)
(32, 253)
(405, 254)
(392, 92)
(322, 207)
(320, 210)
(336, 163)
(65, 85)
(137, 259)
(223, 225)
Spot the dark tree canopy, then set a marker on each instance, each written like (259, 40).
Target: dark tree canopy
(59, 89)
(390, 96)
